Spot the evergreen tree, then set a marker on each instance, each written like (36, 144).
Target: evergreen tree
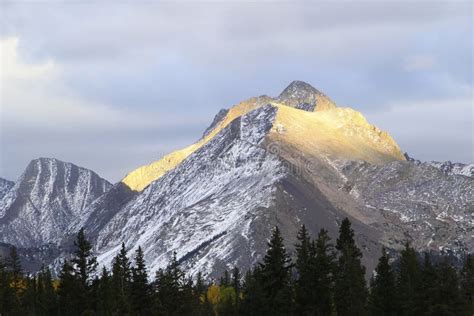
(69, 302)
(121, 282)
(15, 280)
(225, 279)
(85, 265)
(236, 279)
(3, 288)
(275, 277)
(467, 284)
(16, 271)
(29, 299)
(350, 287)
(253, 296)
(140, 289)
(8, 300)
(47, 300)
(174, 292)
(448, 298)
(323, 266)
(105, 297)
(426, 294)
(236, 284)
(408, 283)
(305, 283)
(382, 288)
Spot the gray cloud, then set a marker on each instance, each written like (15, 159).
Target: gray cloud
(170, 66)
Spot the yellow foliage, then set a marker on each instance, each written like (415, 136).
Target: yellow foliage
(214, 294)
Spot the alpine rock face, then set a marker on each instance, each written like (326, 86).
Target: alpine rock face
(293, 159)
(5, 186)
(45, 199)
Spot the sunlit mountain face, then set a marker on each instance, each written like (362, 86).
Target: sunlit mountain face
(267, 161)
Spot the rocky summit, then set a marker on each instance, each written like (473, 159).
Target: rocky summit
(287, 160)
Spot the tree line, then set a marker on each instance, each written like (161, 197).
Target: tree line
(325, 278)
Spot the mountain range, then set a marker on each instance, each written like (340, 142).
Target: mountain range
(287, 160)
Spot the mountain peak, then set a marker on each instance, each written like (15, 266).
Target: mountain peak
(303, 96)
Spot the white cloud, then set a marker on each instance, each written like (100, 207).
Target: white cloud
(419, 62)
(431, 129)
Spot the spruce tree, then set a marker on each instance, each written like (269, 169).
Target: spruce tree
(105, 295)
(140, 288)
(47, 300)
(426, 294)
(69, 302)
(408, 282)
(382, 288)
(275, 277)
(467, 284)
(323, 267)
(448, 298)
(304, 286)
(174, 290)
(350, 292)
(15, 280)
(225, 279)
(121, 282)
(253, 301)
(8, 300)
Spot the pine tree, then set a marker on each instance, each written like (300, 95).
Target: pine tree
(323, 267)
(350, 287)
(121, 282)
(236, 284)
(253, 301)
(448, 298)
(225, 279)
(85, 265)
(467, 284)
(426, 294)
(382, 288)
(304, 287)
(174, 291)
(275, 277)
(15, 280)
(69, 302)
(409, 281)
(140, 289)
(47, 300)
(8, 301)
(29, 302)
(105, 297)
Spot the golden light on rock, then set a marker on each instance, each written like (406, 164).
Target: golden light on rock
(329, 130)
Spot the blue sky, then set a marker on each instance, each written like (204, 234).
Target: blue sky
(113, 85)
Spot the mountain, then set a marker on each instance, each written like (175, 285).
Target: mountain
(5, 186)
(447, 167)
(45, 199)
(292, 159)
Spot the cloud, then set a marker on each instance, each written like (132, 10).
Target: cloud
(419, 62)
(40, 117)
(432, 129)
(137, 80)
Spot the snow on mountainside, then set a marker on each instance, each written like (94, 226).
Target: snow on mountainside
(301, 96)
(217, 208)
(266, 161)
(447, 167)
(45, 199)
(5, 186)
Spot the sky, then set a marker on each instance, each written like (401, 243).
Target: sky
(112, 85)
